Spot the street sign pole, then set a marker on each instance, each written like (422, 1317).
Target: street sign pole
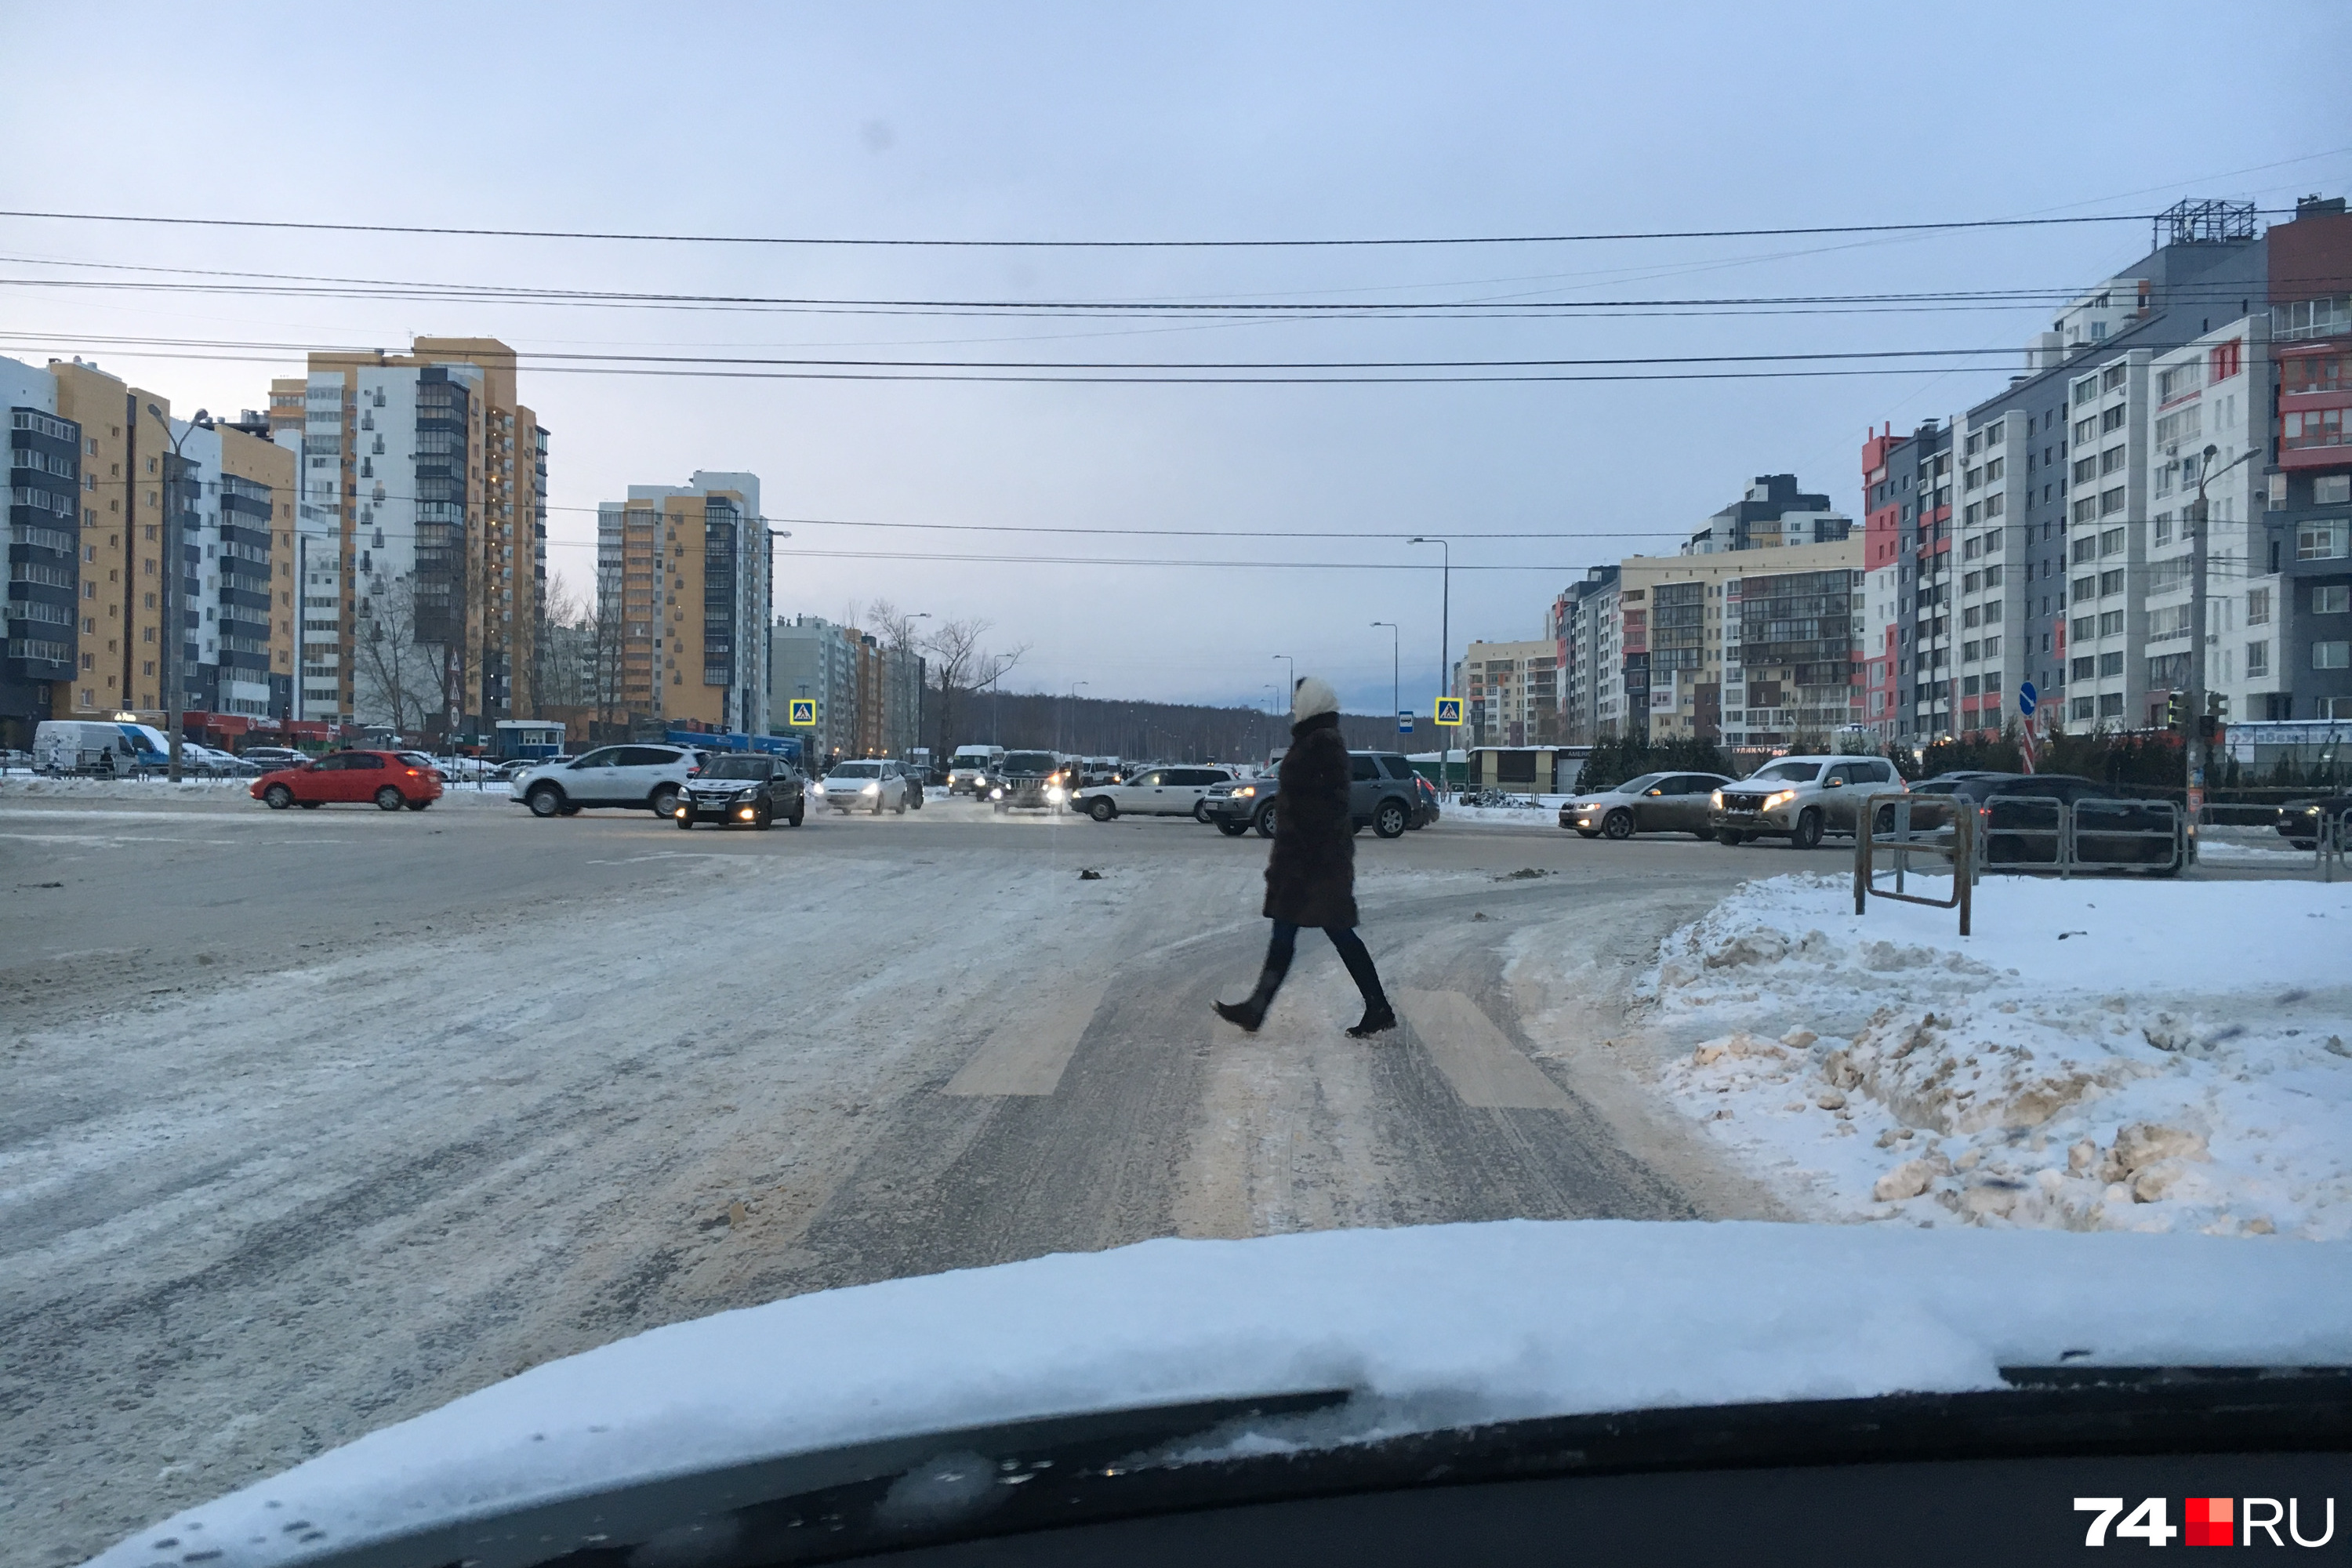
(2027, 700)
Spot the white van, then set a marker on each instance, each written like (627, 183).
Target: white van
(971, 768)
(96, 746)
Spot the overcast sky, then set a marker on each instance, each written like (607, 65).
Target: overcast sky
(1093, 121)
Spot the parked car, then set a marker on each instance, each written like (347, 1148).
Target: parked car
(1167, 790)
(1031, 781)
(1654, 803)
(744, 787)
(876, 787)
(1384, 794)
(381, 777)
(1800, 798)
(2018, 825)
(2298, 820)
(270, 758)
(972, 767)
(645, 777)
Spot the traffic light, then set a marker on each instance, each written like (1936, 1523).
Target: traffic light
(2173, 705)
(2218, 704)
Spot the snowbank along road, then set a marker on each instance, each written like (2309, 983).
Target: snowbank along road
(319, 1119)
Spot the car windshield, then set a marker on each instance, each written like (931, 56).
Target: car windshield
(436, 1136)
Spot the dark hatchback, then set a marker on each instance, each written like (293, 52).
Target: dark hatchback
(751, 790)
(2298, 820)
(2019, 827)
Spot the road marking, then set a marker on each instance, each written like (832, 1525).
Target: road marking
(1028, 1057)
(1481, 1063)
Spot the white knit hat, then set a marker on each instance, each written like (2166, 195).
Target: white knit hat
(1312, 695)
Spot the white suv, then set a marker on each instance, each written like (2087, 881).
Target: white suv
(1800, 798)
(645, 777)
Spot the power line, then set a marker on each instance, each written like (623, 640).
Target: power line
(808, 241)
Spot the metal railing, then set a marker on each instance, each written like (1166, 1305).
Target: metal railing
(2330, 842)
(1905, 839)
(2041, 833)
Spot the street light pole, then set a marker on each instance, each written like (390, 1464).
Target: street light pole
(1073, 702)
(2194, 749)
(1396, 665)
(1445, 651)
(1290, 667)
(173, 570)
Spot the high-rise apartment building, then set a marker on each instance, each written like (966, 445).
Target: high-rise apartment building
(688, 566)
(1774, 512)
(1511, 691)
(422, 535)
(1588, 672)
(116, 555)
(811, 658)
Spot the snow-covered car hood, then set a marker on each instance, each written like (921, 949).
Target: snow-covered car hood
(1429, 1328)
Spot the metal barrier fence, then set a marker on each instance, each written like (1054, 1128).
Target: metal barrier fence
(1904, 840)
(2039, 832)
(2329, 843)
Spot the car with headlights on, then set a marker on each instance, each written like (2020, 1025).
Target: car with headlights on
(2299, 820)
(1167, 790)
(1654, 803)
(744, 788)
(868, 786)
(1233, 805)
(1031, 781)
(1800, 799)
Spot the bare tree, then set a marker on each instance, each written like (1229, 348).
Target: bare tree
(398, 679)
(965, 667)
(565, 640)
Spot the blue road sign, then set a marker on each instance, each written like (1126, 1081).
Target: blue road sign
(2026, 697)
(1404, 723)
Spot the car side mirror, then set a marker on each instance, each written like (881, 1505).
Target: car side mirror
(1834, 783)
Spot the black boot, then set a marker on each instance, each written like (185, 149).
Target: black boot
(1378, 1019)
(1249, 1013)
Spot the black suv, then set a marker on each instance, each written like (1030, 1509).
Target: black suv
(744, 787)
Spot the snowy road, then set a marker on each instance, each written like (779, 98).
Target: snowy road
(317, 1120)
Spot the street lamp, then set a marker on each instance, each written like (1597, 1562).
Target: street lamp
(2194, 751)
(1445, 646)
(1290, 666)
(173, 569)
(1396, 678)
(1072, 699)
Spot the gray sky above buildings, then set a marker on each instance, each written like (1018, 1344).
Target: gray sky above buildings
(1086, 121)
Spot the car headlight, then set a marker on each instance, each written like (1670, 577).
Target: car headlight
(996, 793)
(816, 789)
(1716, 800)
(875, 788)
(745, 796)
(1778, 798)
(1056, 793)
(1245, 792)
(980, 781)
(682, 807)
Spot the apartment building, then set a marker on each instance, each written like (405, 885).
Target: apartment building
(231, 493)
(689, 566)
(1741, 647)
(1590, 680)
(1511, 691)
(814, 658)
(421, 535)
(42, 647)
(2304, 540)
(1772, 513)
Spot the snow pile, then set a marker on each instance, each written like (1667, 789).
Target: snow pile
(2101, 1056)
(1425, 1328)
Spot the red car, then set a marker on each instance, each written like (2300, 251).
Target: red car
(385, 778)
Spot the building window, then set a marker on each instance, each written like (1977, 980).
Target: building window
(2331, 599)
(2111, 664)
(2323, 540)
(2335, 655)
(2258, 606)
(2111, 623)
(2111, 705)
(2081, 708)
(2258, 660)
(2084, 668)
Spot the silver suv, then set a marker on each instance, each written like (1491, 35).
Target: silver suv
(1800, 798)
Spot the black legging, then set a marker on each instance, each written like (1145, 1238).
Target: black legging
(1353, 953)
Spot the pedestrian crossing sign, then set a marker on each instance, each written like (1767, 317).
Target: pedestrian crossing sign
(803, 713)
(1449, 710)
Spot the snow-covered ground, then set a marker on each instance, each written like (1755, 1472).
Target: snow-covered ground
(1423, 1327)
(2101, 1054)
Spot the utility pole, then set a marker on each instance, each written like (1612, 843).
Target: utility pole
(174, 569)
(2194, 746)
(1444, 652)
